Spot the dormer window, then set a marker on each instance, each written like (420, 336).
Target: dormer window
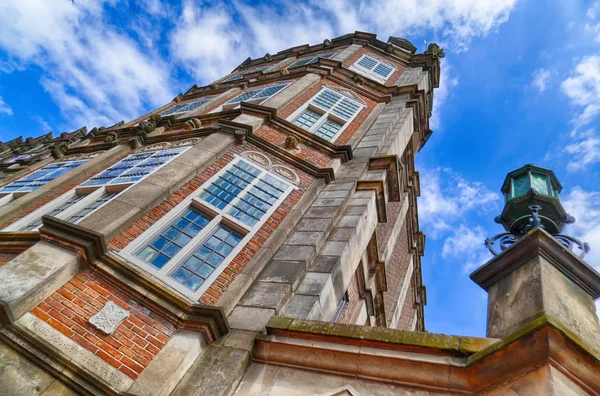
(184, 107)
(373, 68)
(256, 95)
(313, 59)
(327, 114)
(239, 75)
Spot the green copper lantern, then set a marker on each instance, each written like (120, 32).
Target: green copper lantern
(532, 186)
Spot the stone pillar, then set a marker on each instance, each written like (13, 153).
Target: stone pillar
(539, 277)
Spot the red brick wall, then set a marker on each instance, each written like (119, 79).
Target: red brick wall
(408, 310)
(308, 153)
(304, 97)
(130, 348)
(379, 55)
(395, 271)
(6, 257)
(237, 265)
(353, 301)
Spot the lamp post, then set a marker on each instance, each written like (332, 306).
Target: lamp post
(532, 199)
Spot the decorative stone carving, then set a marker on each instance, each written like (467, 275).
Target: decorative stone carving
(286, 173)
(109, 317)
(154, 147)
(178, 98)
(434, 50)
(284, 72)
(389, 49)
(111, 137)
(215, 86)
(268, 57)
(193, 123)
(77, 157)
(359, 80)
(187, 142)
(326, 43)
(259, 158)
(150, 124)
(292, 143)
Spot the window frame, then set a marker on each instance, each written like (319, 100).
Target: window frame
(17, 194)
(370, 73)
(92, 194)
(229, 106)
(203, 100)
(218, 216)
(314, 59)
(326, 114)
(242, 73)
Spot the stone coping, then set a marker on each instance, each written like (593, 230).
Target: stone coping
(382, 337)
(539, 243)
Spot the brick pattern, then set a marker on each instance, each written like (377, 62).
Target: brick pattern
(395, 271)
(6, 257)
(304, 97)
(379, 55)
(130, 348)
(353, 301)
(308, 153)
(238, 264)
(408, 310)
(74, 182)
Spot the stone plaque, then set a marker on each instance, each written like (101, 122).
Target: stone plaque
(109, 317)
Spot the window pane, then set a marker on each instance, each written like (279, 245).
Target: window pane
(203, 262)
(41, 176)
(326, 99)
(134, 167)
(229, 184)
(520, 186)
(54, 212)
(367, 62)
(540, 184)
(346, 108)
(166, 245)
(241, 74)
(308, 61)
(255, 203)
(92, 206)
(184, 107)
(258, 93)
(307, 119)
(328, 129)
(383, 70)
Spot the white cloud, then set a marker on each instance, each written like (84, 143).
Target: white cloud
(446, 195)
(540, 79)
(585, 207)
(96, 73)
(467, 244)
(583, 89)
(447, 81)
(4, 108)
(585, 153)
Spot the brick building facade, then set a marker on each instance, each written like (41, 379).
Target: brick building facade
(157, 256)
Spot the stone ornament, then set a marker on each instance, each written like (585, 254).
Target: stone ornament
(109, 317)
(111, 137)
(327, 43)
(292, 144)
(286, 173)
(154, 147)
(193, 123)
(83, 156)
(187, 142)
(264, 161)
(259, 158)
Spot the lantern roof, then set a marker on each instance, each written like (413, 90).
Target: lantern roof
(533, 169)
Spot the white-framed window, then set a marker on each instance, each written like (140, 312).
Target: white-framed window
(184, 107)
(254, 95)
(190, 246)
(373, 68)
(311, 59)
(80, 202)
(40, 177)
(327, 114)
(239, 75)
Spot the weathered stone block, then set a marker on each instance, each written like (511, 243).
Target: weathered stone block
(250, 318)
(283, 272)
(266, 295)
(295, 253)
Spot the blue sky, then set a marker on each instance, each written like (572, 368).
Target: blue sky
(520, 84)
